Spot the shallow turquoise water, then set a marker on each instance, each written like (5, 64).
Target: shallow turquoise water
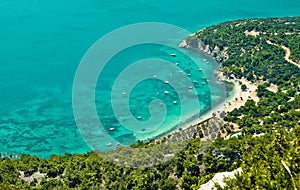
(42, 43)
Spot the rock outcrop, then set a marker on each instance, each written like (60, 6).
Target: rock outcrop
(220, 179)
(193, 42)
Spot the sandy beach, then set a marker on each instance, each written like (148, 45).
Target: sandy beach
(237, 100)
(240, 97)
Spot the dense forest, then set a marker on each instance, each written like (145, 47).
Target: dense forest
(267, 147)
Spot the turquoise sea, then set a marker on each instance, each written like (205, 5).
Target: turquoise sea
(43, 42)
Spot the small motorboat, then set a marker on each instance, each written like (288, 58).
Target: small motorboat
(109, 144)
(175, 102)
(167, 82)
(111, 129)
(173, 55)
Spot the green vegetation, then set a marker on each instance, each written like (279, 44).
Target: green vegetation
(267, 150)
(273, 111)
(251, 56)
(193, 166)
(187, 170)
(273, 164)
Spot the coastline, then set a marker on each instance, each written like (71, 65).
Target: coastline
(235, 100)
(209, 114)
(191, 122)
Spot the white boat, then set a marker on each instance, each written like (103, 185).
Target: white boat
(176, 64)
(173, 55)
(112, 129)
(154, 76)
(166, 92)
(167, 82)
(189, 75)
(175, 102)
(199, 69)
(190, 87)
(109, 144)
(139, 117)
(124, 93)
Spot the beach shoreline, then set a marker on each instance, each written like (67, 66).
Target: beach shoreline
(236, 100)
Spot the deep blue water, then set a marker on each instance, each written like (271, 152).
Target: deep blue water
(42, 43)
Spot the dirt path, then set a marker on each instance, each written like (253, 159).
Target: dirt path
(287, 53)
